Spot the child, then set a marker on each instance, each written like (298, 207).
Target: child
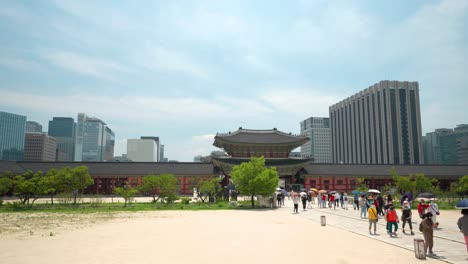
(392, 220)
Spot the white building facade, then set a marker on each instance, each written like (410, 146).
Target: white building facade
(142, 150)
(319, 147)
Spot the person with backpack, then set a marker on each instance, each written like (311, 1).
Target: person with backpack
(406, 217)
(427, 228)
(392, 220)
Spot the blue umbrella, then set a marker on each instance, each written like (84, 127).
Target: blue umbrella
(355, 192)
(463, 204)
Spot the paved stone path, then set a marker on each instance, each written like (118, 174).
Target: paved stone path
(449, 244)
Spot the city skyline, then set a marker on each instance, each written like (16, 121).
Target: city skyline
(184, 71)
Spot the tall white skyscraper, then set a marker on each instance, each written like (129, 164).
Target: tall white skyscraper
(319, 147)
(142, 150)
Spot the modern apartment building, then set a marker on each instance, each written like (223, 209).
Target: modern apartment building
(379, 125)
(63, 130)
(447, 146)
(142, 150)
(156, 139)
(94, 140)
(12, 133)
(39, 147)
(319, 147)
(32, 126)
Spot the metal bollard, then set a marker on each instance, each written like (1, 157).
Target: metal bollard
(419, 249)
(323, 220)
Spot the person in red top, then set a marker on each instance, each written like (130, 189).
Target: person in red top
(332, 201)
(422, 208)
(392, 220)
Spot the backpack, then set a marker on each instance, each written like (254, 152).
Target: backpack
(420, 227)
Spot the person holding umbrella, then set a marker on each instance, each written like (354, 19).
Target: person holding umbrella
(463, 225)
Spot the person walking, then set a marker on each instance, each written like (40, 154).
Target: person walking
(380, 202)
(304, 200)
(342, 200)
(363, 203)
(434, 209)
(332, 201)
(356, 201)
(295, 198)
(406, 217)
(285, 193)
(392, 220)
(373, 218)
(324, 201)
(427, 226)
(345, 201)
(463, 225)
(279, 197)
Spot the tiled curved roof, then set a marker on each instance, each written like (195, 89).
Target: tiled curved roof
(269, 136)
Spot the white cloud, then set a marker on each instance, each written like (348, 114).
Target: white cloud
(171, 61)
(78, 63)
(202, 145)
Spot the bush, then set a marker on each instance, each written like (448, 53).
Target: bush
(1, 202)
(15, 206)
(95, 200)
(185, 200)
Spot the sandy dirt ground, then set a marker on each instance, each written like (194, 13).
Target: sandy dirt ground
(249, 236)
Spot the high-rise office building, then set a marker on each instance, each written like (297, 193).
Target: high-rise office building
(319, 146)
(447, 146)
(156, 139)
(32, 126)
(162, 158)
(63, 130)
(12, 134)
(142, 150)
(379, 125)
(94, 140)
(39, 147)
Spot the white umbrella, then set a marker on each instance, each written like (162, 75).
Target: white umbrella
(373, 191)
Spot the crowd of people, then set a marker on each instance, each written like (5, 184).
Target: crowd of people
(374, 206)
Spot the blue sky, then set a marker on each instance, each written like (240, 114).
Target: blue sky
(185, 70)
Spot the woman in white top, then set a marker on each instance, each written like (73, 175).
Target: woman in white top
(434, 209)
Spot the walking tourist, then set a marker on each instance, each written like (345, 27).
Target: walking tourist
(324, 201)
(279, 197)
(342, 200)
(380, 205)
(345, 201)
(434, 209)
(337, 200)
(463, 225)
(331, 201)
(422, 208)
(406, 217)
(295, 198)
(427, 228)
(373, 218)
(356, 201)
(363, 203)
(304, 200)
(285, 193)
(392, 220)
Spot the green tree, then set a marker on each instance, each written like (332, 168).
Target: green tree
(210, 188)
(254, 178)
(362, 186)
(462, 185)
(52, 183)
(79, 179)
(167, 187)
(423, 183)
(403, 184)
(126, 193)
(150, 185)
(30, 186)
(5, 185)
